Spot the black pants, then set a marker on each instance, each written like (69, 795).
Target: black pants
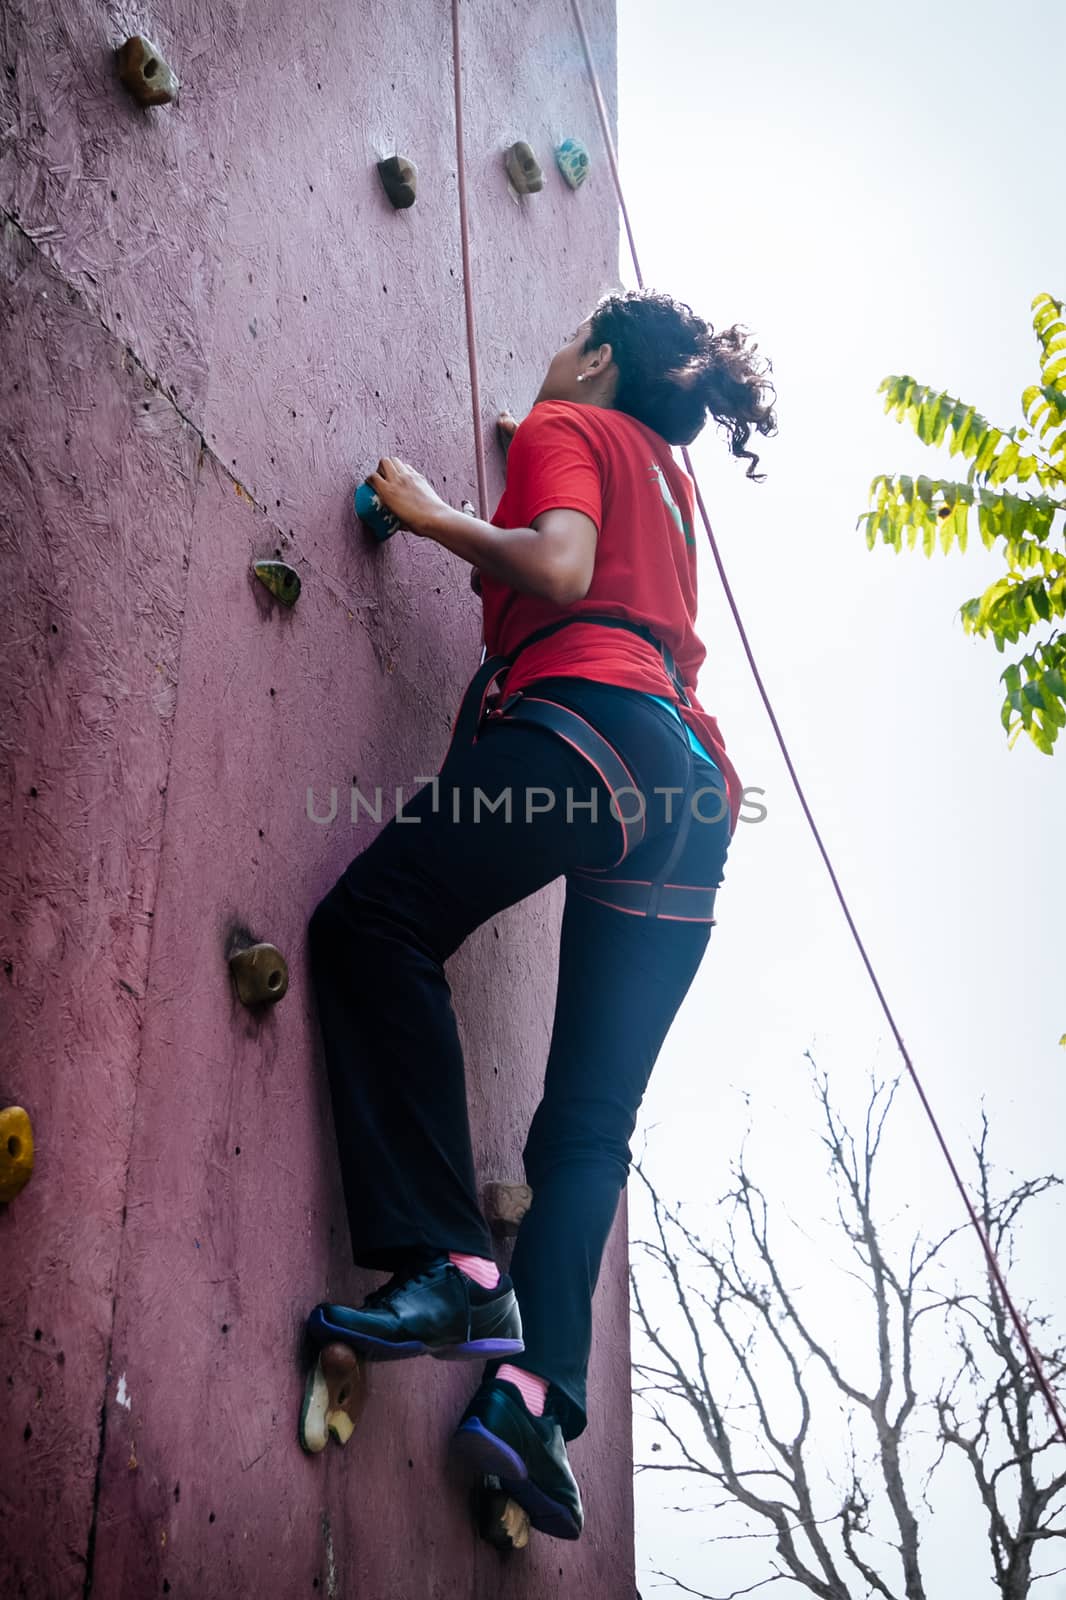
(379, 941)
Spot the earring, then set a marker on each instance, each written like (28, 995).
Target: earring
(581, 377)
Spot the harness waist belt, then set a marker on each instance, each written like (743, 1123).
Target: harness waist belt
(603, 620)
(636, 897)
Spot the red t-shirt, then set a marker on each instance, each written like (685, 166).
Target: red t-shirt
(622, 475)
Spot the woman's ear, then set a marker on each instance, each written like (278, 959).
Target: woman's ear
(603, 358)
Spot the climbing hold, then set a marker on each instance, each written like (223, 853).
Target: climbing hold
(504, 1205)
(500, 1521)
(16, 1151)
(523, 169)
(260, 973)
(282, 580)
(399, 179)
(375, 516)
(334, 1396)
(573, 160)
(144, 72)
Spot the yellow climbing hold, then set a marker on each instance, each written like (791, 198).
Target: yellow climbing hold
(16, 1151)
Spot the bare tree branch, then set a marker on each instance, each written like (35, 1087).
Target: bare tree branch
(733, 1595)
(739, 1313)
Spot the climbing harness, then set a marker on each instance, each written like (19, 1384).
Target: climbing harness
(656, 896)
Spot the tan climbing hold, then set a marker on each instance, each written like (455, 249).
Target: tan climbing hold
(260, 974)
(16, 1151)
(333, 1398)
(504, 1205)
(514, 1523)
(345, 1378)
(523, 168)
(144, 72)
(501, 1522)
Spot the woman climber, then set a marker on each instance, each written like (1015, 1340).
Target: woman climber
(580, 750)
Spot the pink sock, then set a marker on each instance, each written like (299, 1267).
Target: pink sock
(486, 1273)
(530, 1387)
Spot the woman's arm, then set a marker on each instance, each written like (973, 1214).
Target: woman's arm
(553, 559)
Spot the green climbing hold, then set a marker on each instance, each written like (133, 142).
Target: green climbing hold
(282, 580)
(523, 168)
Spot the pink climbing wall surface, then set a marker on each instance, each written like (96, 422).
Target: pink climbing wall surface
(213, 323)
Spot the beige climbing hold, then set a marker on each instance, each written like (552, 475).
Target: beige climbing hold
(504, 1205)
(514, 1522)
(345, 1389)
(333, 1398)
(500, 1520)
(16, 1151)
(144, 72)
(523, 168)
(260, 974)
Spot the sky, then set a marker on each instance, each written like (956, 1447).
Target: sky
(871, 190)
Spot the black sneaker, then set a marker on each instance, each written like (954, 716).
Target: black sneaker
(499, 1438)
(435, 1311)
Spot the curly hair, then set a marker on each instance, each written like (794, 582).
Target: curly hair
(673, 369)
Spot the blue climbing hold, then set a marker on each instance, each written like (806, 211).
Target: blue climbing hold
(573, 160)
(373, 514)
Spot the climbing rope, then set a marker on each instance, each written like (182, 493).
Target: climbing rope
(468, 297)
(994, 1268)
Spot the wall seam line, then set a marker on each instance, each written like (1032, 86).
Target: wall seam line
(205, 448)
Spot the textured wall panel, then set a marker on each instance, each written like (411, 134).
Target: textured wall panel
(341, 334)
(234, 1224)
(97, 477)
(129, 203)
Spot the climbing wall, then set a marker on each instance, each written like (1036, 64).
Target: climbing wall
(213, 323)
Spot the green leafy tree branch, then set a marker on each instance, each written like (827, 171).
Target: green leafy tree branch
(1015, 490)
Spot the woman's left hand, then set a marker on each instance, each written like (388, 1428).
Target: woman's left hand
(409, 496)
